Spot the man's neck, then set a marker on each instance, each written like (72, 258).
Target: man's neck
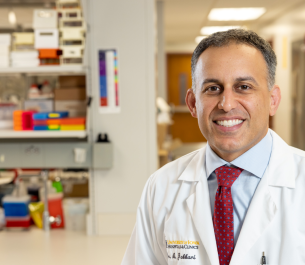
(231, 156)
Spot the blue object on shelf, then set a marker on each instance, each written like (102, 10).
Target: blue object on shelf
(40, 127)
(16, 207)
(50, 115)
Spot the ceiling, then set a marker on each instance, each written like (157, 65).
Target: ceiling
(183, 19)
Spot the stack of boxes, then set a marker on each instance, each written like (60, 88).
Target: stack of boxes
(5, 43)
(23, 120)
(72, 31)
(62, 124)
(40, 120)
(50, 121)
(71, 95)
(23, 53)
(46, 36)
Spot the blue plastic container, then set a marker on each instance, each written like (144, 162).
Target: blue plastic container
(16, 206)
(50, 115)
(40, 127)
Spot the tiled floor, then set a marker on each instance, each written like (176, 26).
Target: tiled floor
(60, 247)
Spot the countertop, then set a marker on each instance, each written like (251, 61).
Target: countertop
(62, 247)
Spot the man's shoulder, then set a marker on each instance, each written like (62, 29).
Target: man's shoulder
(173, 170)
(298, 152)
(298, 161)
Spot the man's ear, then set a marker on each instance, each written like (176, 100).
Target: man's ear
(275, 99)
(190, 100)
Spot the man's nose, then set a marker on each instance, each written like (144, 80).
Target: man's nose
(227, 100)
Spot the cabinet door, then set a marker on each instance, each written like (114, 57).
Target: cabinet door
(10, 156)
(32, 155)
(64, 155)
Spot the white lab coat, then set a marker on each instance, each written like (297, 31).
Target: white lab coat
(174, 220)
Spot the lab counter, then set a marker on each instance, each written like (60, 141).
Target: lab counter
(60, 247)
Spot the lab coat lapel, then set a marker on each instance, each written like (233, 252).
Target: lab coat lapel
(199, 206)
(260, 213)
(280, 173)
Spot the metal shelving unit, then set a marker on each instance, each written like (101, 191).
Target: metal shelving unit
(50, 69)
(11, 134)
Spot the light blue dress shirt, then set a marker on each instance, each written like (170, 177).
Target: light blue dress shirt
(254, 163)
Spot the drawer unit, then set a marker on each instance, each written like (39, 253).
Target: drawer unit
(32, 155)
(65, 155)
(10, 155)
(44, 18)
(65, 4)
(72, 23)
(71, 13)
(72, 52)
(46, 38)
(72, 34)
(56, 155)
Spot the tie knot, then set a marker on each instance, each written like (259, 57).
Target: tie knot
(227, 175)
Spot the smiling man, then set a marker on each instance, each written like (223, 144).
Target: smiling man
(243, 194)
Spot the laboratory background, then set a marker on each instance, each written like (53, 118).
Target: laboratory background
(92, 102)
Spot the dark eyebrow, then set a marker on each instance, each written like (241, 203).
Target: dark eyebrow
(239, 79)
(210, 80)
(246, 78)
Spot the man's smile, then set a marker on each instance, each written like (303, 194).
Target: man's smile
(229, 123)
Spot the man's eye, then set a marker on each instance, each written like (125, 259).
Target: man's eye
(213, 89)
(244, 87)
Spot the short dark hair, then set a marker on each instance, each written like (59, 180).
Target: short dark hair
(238, 36)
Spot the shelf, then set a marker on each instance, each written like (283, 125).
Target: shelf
(41, 134)
(53, 69)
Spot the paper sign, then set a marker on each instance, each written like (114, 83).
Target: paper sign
(109, 101)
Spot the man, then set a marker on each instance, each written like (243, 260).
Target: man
(242, 195)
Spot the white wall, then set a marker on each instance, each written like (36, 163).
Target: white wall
(127, 26)
(283, 32)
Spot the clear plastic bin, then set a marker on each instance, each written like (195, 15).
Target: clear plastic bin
(75, 212)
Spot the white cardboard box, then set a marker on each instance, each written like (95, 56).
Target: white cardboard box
(44, 18)
(24, 55)
(26, 63)
(4, 49)
(5, 39)
(41, 105)
(46, 38)
(4, 61)
(76, 108)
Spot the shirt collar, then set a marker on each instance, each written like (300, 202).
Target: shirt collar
(255, 160)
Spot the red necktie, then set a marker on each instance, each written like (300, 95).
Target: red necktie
(223, 213)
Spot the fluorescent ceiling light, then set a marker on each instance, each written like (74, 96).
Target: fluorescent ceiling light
(199, 39)
(236, 14)
(211, 30)
(12, 17)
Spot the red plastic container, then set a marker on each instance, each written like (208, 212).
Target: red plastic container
(56, 210)
(23, 222)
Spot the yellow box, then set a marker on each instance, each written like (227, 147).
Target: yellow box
(72, 127)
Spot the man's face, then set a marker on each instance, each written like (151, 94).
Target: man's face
(231, 100)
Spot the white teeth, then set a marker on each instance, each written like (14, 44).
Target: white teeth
(229, 123)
